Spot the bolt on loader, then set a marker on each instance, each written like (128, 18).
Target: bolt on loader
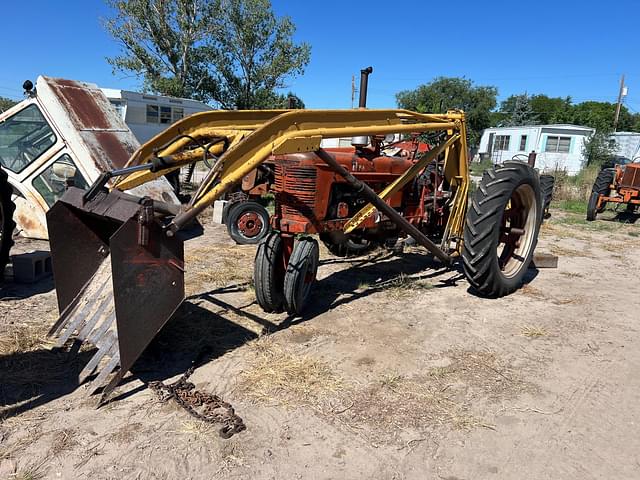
(118, 258)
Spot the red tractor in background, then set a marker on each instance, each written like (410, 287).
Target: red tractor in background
(620, 185)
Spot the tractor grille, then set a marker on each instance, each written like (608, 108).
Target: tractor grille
(631, 177)
(295, 189)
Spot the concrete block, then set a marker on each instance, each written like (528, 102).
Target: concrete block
(218, 207)
(545, 260)
(31, 267)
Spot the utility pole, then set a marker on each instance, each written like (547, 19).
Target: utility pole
(621, 94)
(353, 90)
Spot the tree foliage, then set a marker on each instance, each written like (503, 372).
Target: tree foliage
(598, 148)
(236, 53)
(252, 52)
(447, 93)
(165, 43)
(551, 110)
(517, 110)
(6, 104)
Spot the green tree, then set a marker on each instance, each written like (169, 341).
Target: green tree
(252, 52)
(598, 148)
(551, 110)
(600, 115)
(517, 110)
(447, 93)
(6, 104)
(268, 99)
(232, 52)
(164, 42)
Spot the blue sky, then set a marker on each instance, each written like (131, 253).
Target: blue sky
(576, 48)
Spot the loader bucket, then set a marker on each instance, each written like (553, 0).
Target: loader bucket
(118, 279)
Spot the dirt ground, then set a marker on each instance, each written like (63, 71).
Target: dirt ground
(396, 372)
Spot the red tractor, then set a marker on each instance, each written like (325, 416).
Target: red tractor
(620, 185)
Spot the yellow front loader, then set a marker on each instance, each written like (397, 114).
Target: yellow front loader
(118, 259)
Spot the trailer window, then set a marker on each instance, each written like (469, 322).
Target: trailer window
(523, 143)
(558, 144)
(165, 114)
(53, 181)
(23, 138)
(152, 114)
(502, 142)
(178, 113)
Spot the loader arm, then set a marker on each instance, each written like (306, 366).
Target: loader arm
(251, 141)
(134, 249)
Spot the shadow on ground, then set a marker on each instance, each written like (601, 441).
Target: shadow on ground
(625, 217)
(10, 290)
(196, 334)
(34, 378)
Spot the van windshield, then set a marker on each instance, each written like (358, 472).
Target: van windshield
(23, 138)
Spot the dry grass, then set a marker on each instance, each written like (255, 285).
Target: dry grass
(576, 188)
(199, 431)
(31, 471)
(396, 403)
(533, 292)
(483, 373)
(63, 441)
(446, 396)
(279, 375)
(24, 338)
(534, 331)
(126, 434)
(217, 267)
(572, 274)
(569, 252)
(403, 286)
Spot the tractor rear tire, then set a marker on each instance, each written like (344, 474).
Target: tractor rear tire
(7, 225)
(501, 229)
(268, 274)
(247, 222)
(301, 274)
(601, 186)
(546, 191)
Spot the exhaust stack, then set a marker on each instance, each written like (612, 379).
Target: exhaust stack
(364, 86)
(363, 140)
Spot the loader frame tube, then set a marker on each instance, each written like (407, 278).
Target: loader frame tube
(383, 206)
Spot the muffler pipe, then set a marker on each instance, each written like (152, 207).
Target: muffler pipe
(364, 86)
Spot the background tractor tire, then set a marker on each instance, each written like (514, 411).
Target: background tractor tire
(600, 187)
(7, 225)
(268, 274)
(501, 229)
(247, 222)
(353, 247)
(546, 191)
(301, 274)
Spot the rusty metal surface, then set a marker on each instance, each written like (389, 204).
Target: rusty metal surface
(106, 280)
(105, 136)
(631, 176)
(144, 276)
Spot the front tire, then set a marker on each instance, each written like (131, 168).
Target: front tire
(268, 274)
(501, 229)
(7, 225)
(301, 274)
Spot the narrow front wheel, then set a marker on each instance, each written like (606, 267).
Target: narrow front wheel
(301, 274)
